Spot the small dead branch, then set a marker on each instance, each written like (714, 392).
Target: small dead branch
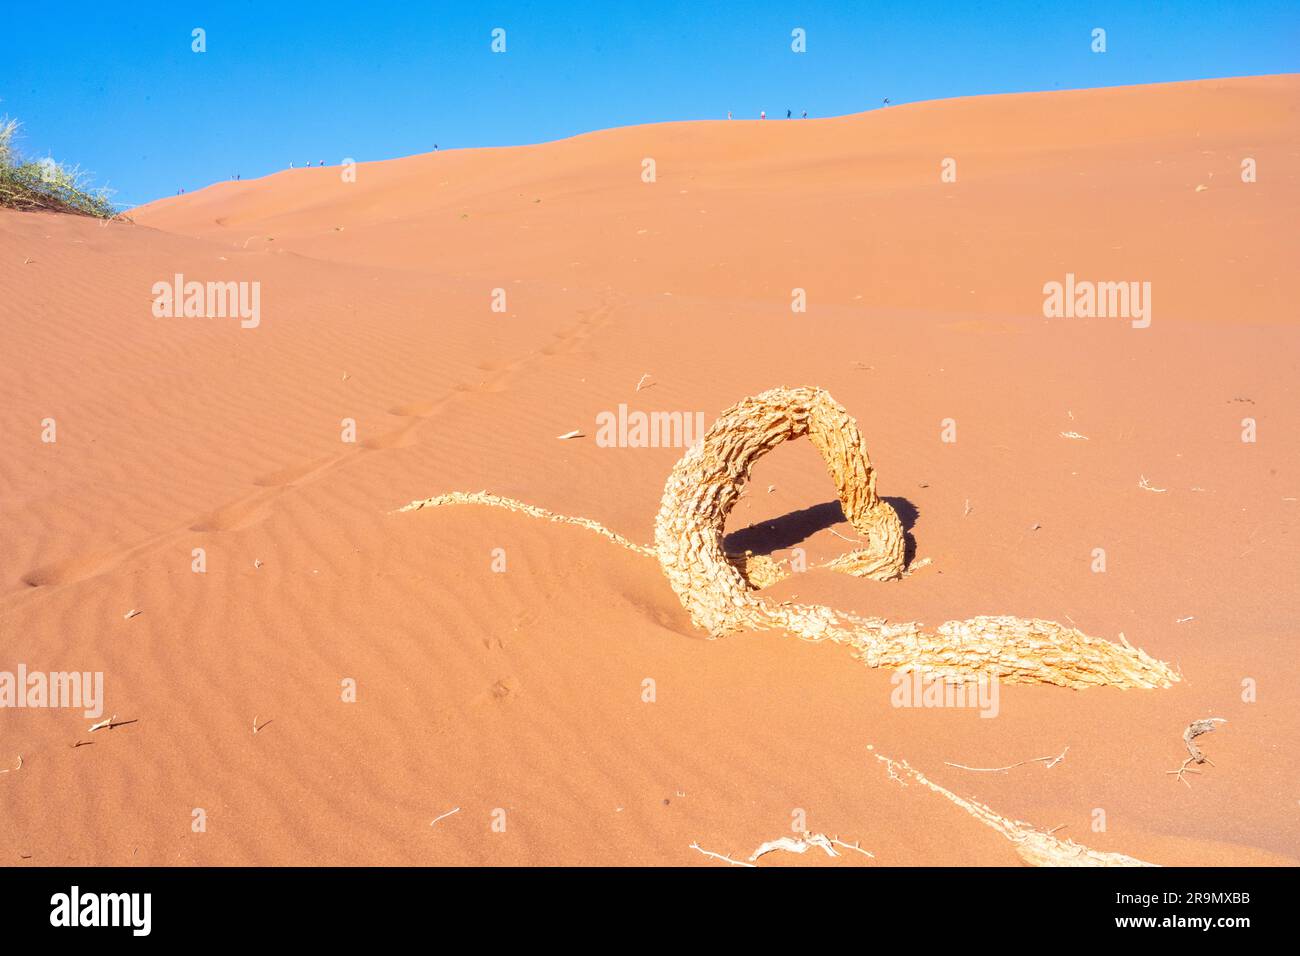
(1050, 762)
(642, 383)
(131, 613)
(809, 840)
(719, 856)
(567, 435)
(14, 769)
(1075, 436)
(107, 722)
(1194, 730)
(445, 815)
(1147, 486)
(917, 565)
(1185, 768)
(256, 726)
(1035, 847)
(852, 846)
(792, 845)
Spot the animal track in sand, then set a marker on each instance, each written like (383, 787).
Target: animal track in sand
(503, 370)
(241, 514)
(487, 387)
(398, 438)
(250, 510)
(416, 409)
(73, 569)
(561, 347)
(294, 473)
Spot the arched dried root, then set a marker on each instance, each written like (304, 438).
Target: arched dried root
(716, 588)
(706, 484)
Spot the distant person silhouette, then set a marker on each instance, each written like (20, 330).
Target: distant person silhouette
(787, 114)
(762, 114)
(805, 114)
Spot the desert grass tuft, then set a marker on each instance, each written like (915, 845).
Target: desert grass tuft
(27, 184)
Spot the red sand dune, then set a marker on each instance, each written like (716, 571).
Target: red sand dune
(522, 691)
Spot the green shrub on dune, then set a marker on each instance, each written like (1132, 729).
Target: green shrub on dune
(45, 184)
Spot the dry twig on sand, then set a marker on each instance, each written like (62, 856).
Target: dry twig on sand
(1049, 761)
(14, 769)
(107, 722)
(792, 845)
(1194, 730)
(719, 856)
(807, 842)
(1035, 847)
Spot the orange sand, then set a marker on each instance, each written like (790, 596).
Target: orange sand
(522, 690)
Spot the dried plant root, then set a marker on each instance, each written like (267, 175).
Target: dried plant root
(1035, 847)
(706, 484)
(708, 481)
(718, 589)
(511, 504)
(1194, 730)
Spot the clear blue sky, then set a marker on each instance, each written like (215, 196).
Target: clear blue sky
(115, 87)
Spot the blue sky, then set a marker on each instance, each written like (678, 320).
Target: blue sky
(116, 88)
